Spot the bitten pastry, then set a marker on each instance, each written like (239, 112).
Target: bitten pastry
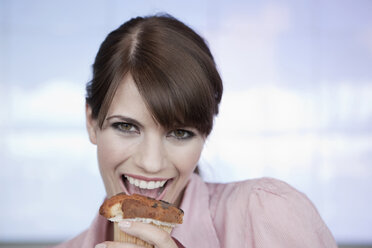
(140, 208)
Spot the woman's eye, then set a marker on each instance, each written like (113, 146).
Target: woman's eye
(181, 134)
(125, 127)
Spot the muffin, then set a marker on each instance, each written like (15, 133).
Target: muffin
(143, 209)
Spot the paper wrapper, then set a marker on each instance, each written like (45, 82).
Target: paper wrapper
(120, 236)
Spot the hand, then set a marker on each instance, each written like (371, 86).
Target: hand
(147, 232)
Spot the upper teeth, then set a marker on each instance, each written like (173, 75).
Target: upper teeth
(146, 184)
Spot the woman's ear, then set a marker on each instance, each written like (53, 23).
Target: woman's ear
(91, 124)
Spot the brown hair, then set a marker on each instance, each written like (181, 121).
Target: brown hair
(171, 65)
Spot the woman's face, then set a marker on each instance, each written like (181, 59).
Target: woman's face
(136, 155)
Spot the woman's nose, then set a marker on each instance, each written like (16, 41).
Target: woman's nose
(151, 155)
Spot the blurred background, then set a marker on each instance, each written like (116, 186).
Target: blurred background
(297, 106)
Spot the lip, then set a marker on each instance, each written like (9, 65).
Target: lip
(159, 197)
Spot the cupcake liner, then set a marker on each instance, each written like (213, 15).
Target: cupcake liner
(120, 236)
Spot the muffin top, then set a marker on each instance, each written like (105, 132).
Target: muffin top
(122, 206)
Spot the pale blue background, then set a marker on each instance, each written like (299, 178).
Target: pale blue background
(297, 105)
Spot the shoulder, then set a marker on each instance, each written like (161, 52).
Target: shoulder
(271, 211)
(267, 196)
(95, 234)
(246, 190)
(73, 243)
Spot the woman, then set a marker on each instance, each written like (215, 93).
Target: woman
(150, 107)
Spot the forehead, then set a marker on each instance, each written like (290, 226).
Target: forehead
(128, 101)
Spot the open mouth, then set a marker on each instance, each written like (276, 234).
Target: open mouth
(153, 188)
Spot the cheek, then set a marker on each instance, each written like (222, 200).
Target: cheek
(112, 151)
(186, 158)
(106, 153)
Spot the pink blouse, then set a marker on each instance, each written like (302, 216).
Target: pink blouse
(257, 213)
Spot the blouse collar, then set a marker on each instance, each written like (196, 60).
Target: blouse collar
(197, 229)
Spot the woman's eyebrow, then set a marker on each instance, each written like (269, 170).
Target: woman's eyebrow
(125, 119)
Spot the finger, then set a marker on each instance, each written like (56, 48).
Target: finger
(149, 233)
(109, 244)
